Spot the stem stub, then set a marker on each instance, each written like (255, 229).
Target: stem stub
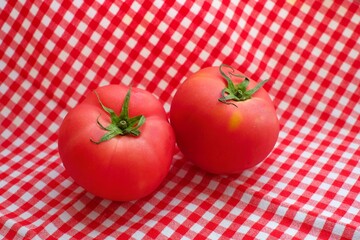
(236, 92)
(120, 124)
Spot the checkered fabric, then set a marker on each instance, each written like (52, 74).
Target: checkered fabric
(52, 53)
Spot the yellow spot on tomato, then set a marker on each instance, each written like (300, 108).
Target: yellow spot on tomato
(235, 120)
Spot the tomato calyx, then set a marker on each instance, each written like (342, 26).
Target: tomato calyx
(120, 124)
(236, 92)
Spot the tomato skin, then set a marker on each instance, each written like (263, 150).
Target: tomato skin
(221, 138)
(123, 168)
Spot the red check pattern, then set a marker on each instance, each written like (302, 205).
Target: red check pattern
(52, 53)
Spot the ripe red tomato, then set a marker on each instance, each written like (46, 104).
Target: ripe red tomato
(223, 121)
(117, 149)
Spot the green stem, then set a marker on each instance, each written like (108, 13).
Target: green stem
(120, 124)
(236, 92)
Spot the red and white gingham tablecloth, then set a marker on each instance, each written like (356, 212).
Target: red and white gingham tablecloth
(52, 53)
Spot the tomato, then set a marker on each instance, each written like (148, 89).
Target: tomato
(223, 121)
(117, 144)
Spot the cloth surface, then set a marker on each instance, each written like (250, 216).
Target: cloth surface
(52, 53)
